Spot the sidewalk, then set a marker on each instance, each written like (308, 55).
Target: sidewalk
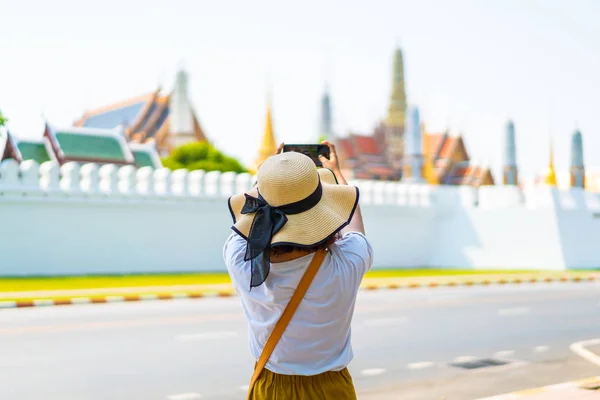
(576, 390)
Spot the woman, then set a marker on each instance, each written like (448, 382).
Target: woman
(296, 222)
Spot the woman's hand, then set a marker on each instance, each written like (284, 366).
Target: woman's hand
(332, 163)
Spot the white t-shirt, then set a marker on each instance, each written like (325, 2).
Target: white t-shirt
(317, 338)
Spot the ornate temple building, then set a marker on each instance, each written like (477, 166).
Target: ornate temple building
(166, 119)
(434, 157)
(81, 145)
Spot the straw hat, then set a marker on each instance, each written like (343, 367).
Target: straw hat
(327, 176)
(291, 177)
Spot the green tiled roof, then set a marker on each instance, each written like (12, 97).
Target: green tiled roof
(33, 151)
(143, 159)
(77, 145)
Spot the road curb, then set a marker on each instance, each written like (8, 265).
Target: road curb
(62, 301)
(111, 299)
(565, 387)
(485, 282)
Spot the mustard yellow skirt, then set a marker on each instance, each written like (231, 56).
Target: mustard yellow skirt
(328, 385)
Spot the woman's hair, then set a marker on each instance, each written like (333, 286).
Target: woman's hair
(280, 250)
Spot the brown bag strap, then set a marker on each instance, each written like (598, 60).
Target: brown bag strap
(287, 315)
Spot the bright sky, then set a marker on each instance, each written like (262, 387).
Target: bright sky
(470, 64)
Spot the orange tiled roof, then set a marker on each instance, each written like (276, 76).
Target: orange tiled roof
(366, 145)
(346, 147)
(448, 145)
(435, 142)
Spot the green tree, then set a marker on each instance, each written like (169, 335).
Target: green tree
(201, 155)
(2, 119)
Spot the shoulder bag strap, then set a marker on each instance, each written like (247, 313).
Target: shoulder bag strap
(287, 315)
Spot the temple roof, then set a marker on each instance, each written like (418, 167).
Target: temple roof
(124, 113)
(25, 149)
(89, 145)
(34, 150)
(145, 155)
(143, 118)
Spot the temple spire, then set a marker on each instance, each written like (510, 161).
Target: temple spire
(181, 117)
(550, 177)
(413, 148)
(268, 146)
(510, 171)
(395, 119)
(397, 107)
(577, 166)
(325, 129)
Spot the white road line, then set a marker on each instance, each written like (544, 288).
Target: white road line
(43, 302)
(385, 321)
(465, 359)
(8, 304)
(420, 365)
(579, 348)
(184, 396)
(372, 371)
(540, 349)
(559, 386)
(81, 300)
(504, 353)
(205, 336)
(505, 312)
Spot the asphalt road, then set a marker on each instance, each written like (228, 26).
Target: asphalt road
(404, 342)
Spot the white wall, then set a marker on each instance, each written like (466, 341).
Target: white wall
(82, 219)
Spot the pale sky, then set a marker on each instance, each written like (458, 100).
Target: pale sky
(469, 65)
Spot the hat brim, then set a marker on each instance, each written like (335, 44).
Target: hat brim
(327, 176)
(310, 228)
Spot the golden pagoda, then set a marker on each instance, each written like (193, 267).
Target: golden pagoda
(550, 176)
(268, 146)
(428, 169)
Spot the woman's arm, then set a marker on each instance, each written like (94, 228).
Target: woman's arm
(356, 223)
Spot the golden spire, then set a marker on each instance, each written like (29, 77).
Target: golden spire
(550, 177)
(397, 107)
(428, 169)
(268, 146)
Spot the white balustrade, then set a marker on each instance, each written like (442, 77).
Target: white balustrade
(196, 183)
(402, 195)
(9, 176)
(243, 182)
(390, 192)
(50, 177)
(366, 191)
(212, 183)
(425, 195)
(227, 184)
(126, 180)
(179, 182)
(108, 175)
(90, 178)
(378, 192)
(144, 181)
(70, 178)
(162, 181)
(30, 176)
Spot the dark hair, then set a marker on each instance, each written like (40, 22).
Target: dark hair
(282, 249)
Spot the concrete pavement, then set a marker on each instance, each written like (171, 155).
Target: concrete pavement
(405, 344)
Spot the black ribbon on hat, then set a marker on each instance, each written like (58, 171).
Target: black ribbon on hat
(269, 220)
